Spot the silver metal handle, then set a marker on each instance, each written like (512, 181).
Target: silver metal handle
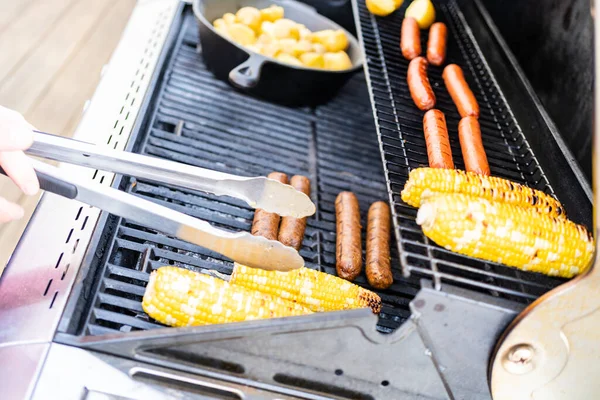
(242, 247)
(258, 192)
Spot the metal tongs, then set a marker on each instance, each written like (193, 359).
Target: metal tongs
(242, 247)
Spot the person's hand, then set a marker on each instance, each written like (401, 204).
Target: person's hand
(16, 135)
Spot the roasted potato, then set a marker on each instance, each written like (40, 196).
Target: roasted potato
(337, 61)
(241, 34)
(312, 60)
(250, 17)
(272, 13)
(229, 18)
(288, 59)
(333, 41)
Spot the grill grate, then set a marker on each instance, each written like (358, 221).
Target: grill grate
(402, 145)
(201, 121)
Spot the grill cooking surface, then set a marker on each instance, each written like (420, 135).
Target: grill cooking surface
(198, 120)
(399, 124)
(335, 145)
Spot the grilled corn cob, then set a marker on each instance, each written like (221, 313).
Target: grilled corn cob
(178, 297)
(516, 236)
(489, 187)
(315, 290)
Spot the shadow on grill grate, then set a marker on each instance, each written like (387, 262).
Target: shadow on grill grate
(200, 121)
(403, 147)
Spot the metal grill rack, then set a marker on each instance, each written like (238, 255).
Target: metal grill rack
(402, 145)
(199, 120)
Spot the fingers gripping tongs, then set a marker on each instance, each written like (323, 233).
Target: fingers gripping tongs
(242, 247)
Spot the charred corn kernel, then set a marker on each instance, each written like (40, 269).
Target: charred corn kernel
(423, 11)
(241, 34)
(229, 18)
(337, 61)
(315, 290)
(383, 7)
(178, 297)
(333, 40)
(505, 233)
(272, 13)
(312, 60)
(288, 59)
(250, 17)
(489, 187)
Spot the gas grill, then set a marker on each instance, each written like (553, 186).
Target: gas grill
(72, 291)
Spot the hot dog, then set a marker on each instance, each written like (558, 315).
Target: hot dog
(266, 224)
(291, 231)
(469, 134)
(348, 241)
(410, 38)
(418, 84)
(460, 92)
(378, 267)
(436, 45)
(436, 138)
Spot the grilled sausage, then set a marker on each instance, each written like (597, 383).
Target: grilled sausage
(436, 138)
(266, 224)
(460, 92)
(469, 134)
(418, 84)
(348, 241)
(378, 267)
(410, 38)
(436, 45)
(291, 231)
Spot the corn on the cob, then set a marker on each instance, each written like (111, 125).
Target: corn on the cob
(489, 187)
(516, 236)
(178, 297)
(315, 290)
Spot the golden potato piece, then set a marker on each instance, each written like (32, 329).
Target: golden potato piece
(337, 61)
(249, 16)
(295, 47)
(241, 34)
(272, 13)
(288, 59)
(304, 32)
(271, 49)
(229, 18)
(383, 7)
(319, 48)
(264, 38)
(333, 41)
(312, 60)
(423, 11)
(219, 23)
(284, 29)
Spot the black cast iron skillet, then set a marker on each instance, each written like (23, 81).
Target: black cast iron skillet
(264, 76)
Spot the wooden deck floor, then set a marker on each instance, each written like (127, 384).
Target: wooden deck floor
(51, 56)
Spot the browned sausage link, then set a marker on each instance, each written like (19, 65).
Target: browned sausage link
(378, 266)
(439, 152)
(436, 45)
(410, 39)
(469, 134)
(460, 92)
(348, 242)
(291, 231)
(418, 84)
(266, 224)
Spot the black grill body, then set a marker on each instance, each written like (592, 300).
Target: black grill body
(191, 117)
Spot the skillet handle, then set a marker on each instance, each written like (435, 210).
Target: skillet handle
(247, 74)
